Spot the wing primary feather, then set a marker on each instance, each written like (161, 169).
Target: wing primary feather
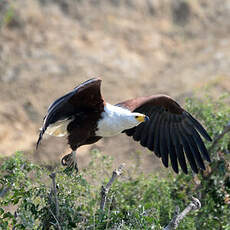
(144, 133)
(145, 130)
(156, 145)
(172, 152)
(173, 159)
(190, 130)
(201, 145)
(163, 143)
(181, 158)
(168, 137)
(152, 131)
(53, 114)
(179, 149)
(197, 154)
(188, 152)
(199, 127)
(39, 138)
(194, 149)
(60, 100)
(138, 131)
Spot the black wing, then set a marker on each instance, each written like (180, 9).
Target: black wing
(171, 132)
(85, 95)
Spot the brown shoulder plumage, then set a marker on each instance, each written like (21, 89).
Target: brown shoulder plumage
(155, 100)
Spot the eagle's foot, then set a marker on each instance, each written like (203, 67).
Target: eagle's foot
(70, 162)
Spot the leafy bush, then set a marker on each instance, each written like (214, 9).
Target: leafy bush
(137, 202)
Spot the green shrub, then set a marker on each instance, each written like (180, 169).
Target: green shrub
(140, 202)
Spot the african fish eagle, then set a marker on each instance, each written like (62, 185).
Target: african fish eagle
(156, 122)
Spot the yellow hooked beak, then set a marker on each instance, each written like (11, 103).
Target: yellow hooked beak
(142, 118)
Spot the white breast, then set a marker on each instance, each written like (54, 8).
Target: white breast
(114, 120)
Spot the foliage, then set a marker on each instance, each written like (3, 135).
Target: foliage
(214, 188)
(137, 202)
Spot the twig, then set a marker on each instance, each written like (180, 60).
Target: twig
(173, 224)
(107, 224)
(218, 137)
(4, 191)
(54, 190)
(105, 189)
(57, 221)
(15, 217)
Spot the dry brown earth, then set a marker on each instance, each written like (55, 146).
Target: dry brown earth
(140, 47)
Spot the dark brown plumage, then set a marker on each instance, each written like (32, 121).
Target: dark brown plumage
(171, 132)
(85, 105)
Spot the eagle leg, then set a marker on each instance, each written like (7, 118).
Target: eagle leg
(70, 161)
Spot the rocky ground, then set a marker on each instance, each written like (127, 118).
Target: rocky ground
(141, 47)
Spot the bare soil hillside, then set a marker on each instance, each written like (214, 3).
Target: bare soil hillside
(138, 47)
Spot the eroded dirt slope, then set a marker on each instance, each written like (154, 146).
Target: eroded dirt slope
(137, 47)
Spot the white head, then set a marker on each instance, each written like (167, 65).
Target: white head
(116, 119)
(134, 119)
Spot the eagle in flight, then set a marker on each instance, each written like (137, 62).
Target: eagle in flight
(157, 122)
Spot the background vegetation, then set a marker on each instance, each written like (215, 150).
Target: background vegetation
(135, 201)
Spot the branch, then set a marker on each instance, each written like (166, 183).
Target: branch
(58, 224)
(173, 224)
(54, 190)
(4, 191)
(218, 137)
(105, 189)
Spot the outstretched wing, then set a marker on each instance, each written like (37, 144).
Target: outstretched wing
(171, 132)
(85, 96)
